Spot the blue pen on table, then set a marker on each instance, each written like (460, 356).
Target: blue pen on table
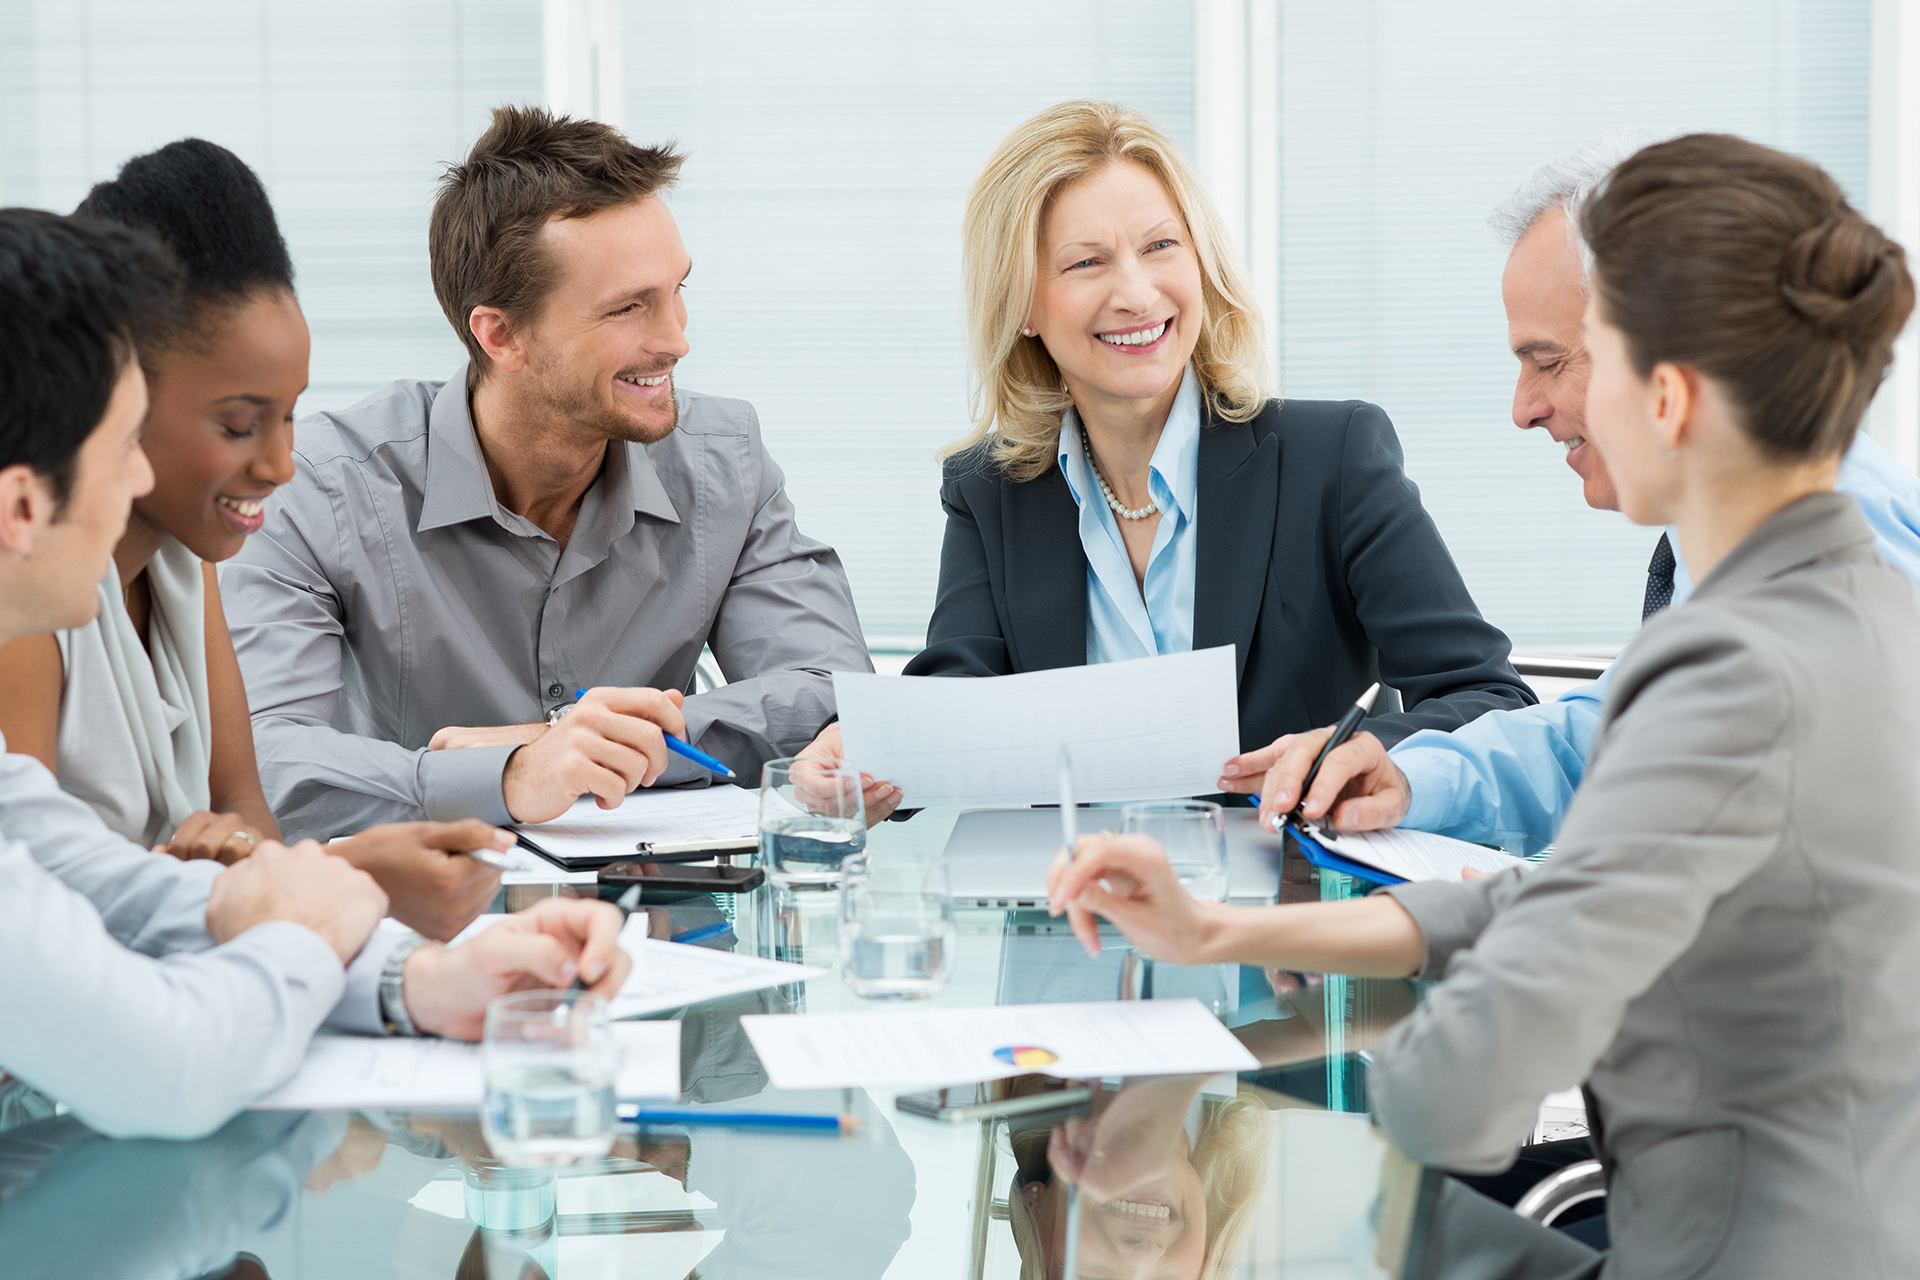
(738, 1119)
(682, 749)
(701, 932)
(626, 902)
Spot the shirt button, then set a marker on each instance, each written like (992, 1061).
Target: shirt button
(556, 690)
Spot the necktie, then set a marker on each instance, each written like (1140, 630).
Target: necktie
(1659, 580)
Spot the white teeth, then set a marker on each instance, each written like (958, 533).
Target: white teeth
(1573, 442)
(1142, 338)
(249, 507)
(654, 381)
(1143, 1210)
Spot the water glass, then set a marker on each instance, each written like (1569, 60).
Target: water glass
(1194, 834)
(550, 1062)
(812, 816)
(896, 926)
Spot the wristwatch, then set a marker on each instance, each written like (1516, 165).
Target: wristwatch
(556, 711)
(393, 1003)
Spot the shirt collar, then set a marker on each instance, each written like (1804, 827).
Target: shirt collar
(1173, 471)
(458, 488)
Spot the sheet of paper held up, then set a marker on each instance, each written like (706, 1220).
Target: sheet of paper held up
(655, 817)
(1414, 855)
(342, 1072)
(949, 1046)
(668, 975)
(1144, 729)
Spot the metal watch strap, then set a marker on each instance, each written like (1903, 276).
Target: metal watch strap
(393, 1002)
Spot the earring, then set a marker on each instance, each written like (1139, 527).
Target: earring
(1026, 333)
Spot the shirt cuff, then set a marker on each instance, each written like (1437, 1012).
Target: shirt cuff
(1433, 785)
(359, 1006)
(465, 782)
(299, 955)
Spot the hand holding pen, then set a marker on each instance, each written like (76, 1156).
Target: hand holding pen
(1304, 774)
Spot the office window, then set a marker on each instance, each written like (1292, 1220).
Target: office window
(347, 108)
(830, 148)
(1402, 124)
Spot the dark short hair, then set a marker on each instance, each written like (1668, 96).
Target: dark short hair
(78, 299)
(529, 167)
(1749, 264)
(209, 208)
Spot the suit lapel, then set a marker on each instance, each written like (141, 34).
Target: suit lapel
(1239, 501)
(1046, 574)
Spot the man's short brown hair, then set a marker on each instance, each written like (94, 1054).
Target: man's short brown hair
(529, 167)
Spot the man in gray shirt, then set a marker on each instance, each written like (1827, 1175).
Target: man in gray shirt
(154, 996)
(454, 560)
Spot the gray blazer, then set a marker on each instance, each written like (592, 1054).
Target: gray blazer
(390, 595)
(1724, 945)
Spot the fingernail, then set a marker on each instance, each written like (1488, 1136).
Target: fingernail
(568, 973)
(1232, 769)
(503, 839)
(1283, 798)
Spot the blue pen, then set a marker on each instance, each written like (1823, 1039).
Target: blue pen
(683, 750)
(737, 1119)
(701, 932)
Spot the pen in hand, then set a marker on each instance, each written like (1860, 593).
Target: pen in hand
(1360, 710)
(680, 748)
(626, 903)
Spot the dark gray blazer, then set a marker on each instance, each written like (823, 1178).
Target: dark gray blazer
(1723, 946)
(1314, 559)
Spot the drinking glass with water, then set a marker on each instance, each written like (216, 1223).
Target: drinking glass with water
(812, 817)
(1194, 834)
(550, 1062)
(896, 926)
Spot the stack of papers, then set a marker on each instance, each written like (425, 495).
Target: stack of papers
(349, 1072)
(587, 835)
(1403, 854)
(948, 1046)
(997, 740)
(670, 975)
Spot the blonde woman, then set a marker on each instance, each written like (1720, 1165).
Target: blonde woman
(1129, 489)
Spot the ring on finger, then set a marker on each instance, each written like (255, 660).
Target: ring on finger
(248, 836)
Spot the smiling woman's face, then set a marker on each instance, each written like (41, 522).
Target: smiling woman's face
(1157, 1231)
(220, 431)
(1117, 298)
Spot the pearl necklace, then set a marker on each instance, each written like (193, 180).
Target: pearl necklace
(1113, 503)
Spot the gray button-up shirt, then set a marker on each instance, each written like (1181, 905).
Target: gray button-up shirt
(390, 595)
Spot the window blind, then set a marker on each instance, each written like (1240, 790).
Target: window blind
(1402, 124)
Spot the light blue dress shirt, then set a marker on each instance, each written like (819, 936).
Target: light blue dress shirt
(1122, 620)
(1507, 777)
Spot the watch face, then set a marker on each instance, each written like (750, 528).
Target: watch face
(554, 713)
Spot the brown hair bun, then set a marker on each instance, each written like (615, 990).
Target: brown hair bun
(1845, 278)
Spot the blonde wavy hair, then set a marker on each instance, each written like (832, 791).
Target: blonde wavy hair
(1017, 397)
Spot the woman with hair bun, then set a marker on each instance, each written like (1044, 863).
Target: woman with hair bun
(142, 713)
(1723, 945)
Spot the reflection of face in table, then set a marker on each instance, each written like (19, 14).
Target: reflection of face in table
(1170, 1206)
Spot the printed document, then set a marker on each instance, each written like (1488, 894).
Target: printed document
(1413, 855)
(668, 975)
(523, 866)
(954, 1046)
(587, 833)
(343, 1072)
(1143, 729)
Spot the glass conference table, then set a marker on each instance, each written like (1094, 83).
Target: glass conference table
(1278, 1173)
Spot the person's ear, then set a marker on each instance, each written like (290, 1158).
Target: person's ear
(26, 505)
(1032, 1192)
(1674, 393)
(498, 338)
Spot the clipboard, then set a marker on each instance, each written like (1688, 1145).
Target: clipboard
(1328, 860)
(645, 851)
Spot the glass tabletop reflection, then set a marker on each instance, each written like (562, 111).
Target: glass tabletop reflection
(1275, 1173)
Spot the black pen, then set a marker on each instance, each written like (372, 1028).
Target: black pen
(626, 902)
(1362, 708)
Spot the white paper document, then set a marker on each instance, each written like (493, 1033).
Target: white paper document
(523, 866)
(348, 1072)
(1144, 729)
(950, 1046)
(1414, 855)
(649, 817)
(668, 975)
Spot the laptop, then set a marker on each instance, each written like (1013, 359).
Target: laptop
(999, 858)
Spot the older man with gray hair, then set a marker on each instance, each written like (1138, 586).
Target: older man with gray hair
(1507, 777)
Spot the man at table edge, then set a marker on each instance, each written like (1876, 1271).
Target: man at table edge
(1507, 777)
(155, 996)
(454, 560)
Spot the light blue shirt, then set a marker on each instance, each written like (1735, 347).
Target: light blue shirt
(1507, 777)
(1123, 621)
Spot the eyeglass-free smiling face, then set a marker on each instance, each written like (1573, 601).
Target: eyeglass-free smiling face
(1117, 297)
(220, 432)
